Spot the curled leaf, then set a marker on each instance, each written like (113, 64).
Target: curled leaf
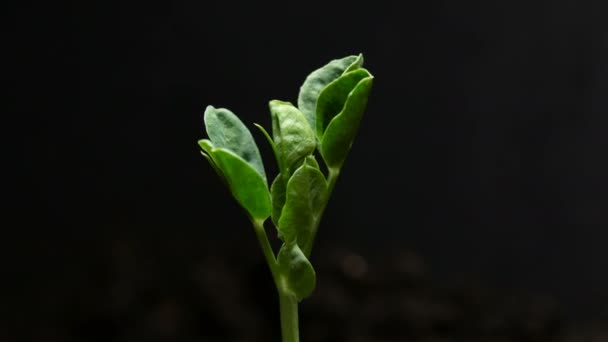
(342, 129)
(319, 79)
(333, 97)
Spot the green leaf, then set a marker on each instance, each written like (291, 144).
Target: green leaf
(356, 64)
(305, 198)
(227, 131)
(277, 193)
(297, 274)
(333, 98)
(207, 155)
(312, 162)
(206, 145)
(342, 129)
(319, 79)
(293, 137)
(246, 184)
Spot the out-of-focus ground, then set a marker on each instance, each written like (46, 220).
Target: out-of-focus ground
(224, 293)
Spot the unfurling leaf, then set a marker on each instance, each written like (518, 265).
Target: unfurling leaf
(319, 79)
(332, 99)
(342, 129)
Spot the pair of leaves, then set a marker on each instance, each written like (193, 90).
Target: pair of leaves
(333, 99)
(319, 79)
(234, 155)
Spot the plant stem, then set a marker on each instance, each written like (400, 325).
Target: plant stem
(289, 317)
(260, 232)
(332, 177)
(287, 301)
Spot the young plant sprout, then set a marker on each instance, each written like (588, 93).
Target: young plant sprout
(330, 107)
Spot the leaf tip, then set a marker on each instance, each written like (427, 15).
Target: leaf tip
(206, 145)
(276, 103)
(208, 110)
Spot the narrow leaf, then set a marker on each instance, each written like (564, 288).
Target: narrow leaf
(317, 80)
(342, 129)
(297, 273)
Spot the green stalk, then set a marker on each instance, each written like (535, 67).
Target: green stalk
(289, 317)
(287, 301)
(260, 232)
(332, 177)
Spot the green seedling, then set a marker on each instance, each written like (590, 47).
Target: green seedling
(324, 123)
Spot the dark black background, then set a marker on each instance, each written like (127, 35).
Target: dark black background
(483, 148)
